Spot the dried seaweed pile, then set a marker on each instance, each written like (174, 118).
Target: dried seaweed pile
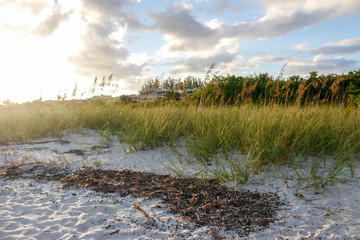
(205, 202)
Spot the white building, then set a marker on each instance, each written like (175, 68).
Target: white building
(159, 93)
(152, 93)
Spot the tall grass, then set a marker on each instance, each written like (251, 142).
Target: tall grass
(21, 122)
(271, 134)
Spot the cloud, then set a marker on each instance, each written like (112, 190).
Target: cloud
(110, 8)
(104, 51)
(185, 33)
(39, 17)
(198, 42)
(329, 8)
(199, 64)
(347, 46)
(321, 64)
(132, 22)
(224, 5)
(35, 7)
(182, 31)
(283, 17)
(224, 56)
(267, 58)
(52, 22)
(221, 6)
(100, 52)
(114, 9)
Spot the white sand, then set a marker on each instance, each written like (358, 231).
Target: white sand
(43, 210)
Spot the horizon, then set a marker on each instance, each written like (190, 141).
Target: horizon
(49, 47)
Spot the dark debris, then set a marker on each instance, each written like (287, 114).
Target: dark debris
(205, 201)
(78, 152)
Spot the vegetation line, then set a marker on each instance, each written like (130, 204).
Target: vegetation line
(302, 127)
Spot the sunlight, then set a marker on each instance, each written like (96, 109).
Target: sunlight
(37, 66)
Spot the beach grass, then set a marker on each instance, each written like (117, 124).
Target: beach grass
(262, 135)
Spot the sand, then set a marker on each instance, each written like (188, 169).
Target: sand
(31, 209)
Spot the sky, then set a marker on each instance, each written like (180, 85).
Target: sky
(47, 47)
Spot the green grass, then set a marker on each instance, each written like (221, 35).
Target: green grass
(275, 135)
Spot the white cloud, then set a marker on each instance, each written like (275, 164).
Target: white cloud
(192, 39)
(51, 23)
(213, 24)
(182, 31)
(267, 58)
(347, 46)
(35, 6)
(185, 33)
(224, 56)
(110, 8)
(199, 64)
(319, 63)
(183, 4)
(37, 17)
(322, 64)
(104, 50)
(302, 47)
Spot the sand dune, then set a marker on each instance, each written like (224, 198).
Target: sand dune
(31, 209)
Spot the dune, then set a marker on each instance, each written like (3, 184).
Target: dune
(39, 209)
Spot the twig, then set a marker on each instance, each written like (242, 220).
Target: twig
(214, 234)
(137, 207)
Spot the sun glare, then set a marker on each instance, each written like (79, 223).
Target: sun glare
(36, 66)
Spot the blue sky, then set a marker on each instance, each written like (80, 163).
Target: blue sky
(48, 46)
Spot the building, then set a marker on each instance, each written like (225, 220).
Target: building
(159, 93)
(152, 93)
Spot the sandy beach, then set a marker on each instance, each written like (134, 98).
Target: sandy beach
(32, 209)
